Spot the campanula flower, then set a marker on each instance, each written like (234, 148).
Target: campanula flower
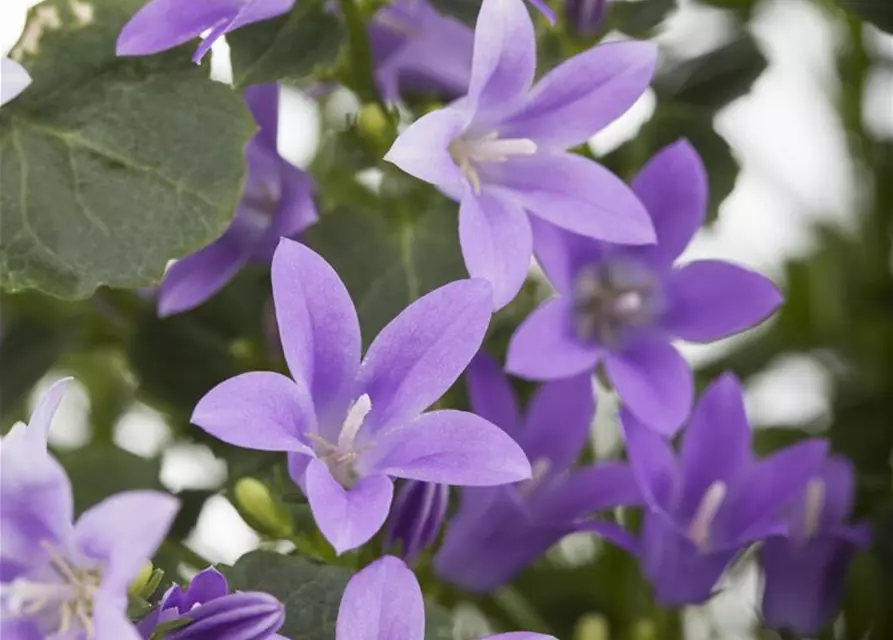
(585, 17)
(13, 79)
(498, 531)
(805, 567)
(384, 602)
(276, 202)
(622, 307)
(349, 426)
(501, 150)
(419, 511)
(715, 498)
(214, 613)
(58, 579)
(416, 49)
(165, 24)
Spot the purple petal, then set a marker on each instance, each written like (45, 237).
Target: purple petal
(504, 55)
(496, 244)
(207, 585)
(250, 11)
(544, 346)
(562, 254)
(611, 532)
(263, 101)
(248, 615)
(711, 299)
(422, 352)
(347, 518)
(544, 9)
(124, 531)
(318, 327)
(490, 393)
(652, 461)
(164, 24)
(839, 490)
(110, 619)
(416, 516)
(45, 411)
(521, 635)
(574, 193)
(422, 150)
(259, 410)
(450, 447)
(584, 94)
(558, 421)
(587, 491)
(21, 629)
(382, 602)
(15, 79)
(673, 188)
(654, 381)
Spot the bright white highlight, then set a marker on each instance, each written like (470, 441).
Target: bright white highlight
(699, 531)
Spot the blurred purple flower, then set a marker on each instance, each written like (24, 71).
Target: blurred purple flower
(350, 426)
(415, 48)
(214, 613)
(501, 150)
(622, 306)
(165, 24)
(384, 602)
(585, 17)
(806, 567)
(715, 498)
(59, 579)
(498, 531)
(13, 79)
(418, 512)
(276, 202)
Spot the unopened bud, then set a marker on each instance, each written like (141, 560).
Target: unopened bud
(416, 516)
(592, 627)
(255, 500)
(585, 17)
(245, 615)
(146, 581)
(644, 630)
(374, 125)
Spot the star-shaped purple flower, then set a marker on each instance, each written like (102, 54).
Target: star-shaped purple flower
(14, 79)
(501, 150)
(498, 531)
(384, 602)
(805, 568)
(276, 202)
(715, 498)
(164, 24)
(350, 426)
(58, 579)
(622, 307)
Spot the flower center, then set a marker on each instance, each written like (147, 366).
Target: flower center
(611, 297)
(488, 148)
(813, 505)
(67, 602)
(540, 470)
(699, 530)
(341, 456)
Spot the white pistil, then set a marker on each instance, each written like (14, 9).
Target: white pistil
(539, 471)
(354, 420)
(341, 456)
(699, 531)
(487, 148)
(812, 509)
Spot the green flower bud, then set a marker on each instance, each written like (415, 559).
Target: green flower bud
(592, 626)
(254, 500)
(138, 587)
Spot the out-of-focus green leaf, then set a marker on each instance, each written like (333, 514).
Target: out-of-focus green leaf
(438, 623)
(877, 12)
(639, 17)
(465, 10)
(99, 471)
(110, 167)
(291, 47)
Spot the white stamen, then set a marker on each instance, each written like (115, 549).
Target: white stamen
(812, 510)
(355, 416)
(699, 531)
(539, 470)
(487, 148)
(629, 302)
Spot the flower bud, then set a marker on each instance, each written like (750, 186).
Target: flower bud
(374, 125)
(592, 627)
(248, 615)
(418, 512)
(146, 582)
(585, 17)
(254, 499)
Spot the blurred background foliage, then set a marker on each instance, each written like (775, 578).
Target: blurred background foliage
(393, 244)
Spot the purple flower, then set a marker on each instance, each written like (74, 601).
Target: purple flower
(164, 24)
(501, 150)
(384, 602)
(350, 426)
(806, 567)
(585, 17)
(59, 579)
(417, 49)
(498, 531)
(214, 613)
(14, 79)
(276, 202)
(715, 498)
(621, 307)
(419, 510)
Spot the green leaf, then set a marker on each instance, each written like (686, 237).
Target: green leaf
(386, 263)
(290, 47)
(877, 12)
(639, 18)
(465, 10)
(716, 78)
(110, 167)
(97, 472)
(311, 592)
(438, 623)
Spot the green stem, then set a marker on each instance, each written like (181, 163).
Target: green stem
(360, 74)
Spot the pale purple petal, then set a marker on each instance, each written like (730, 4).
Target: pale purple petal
(544, 346)
(652, 461)
(110, 618)
(562, 254)
(584, 94)
(347, 518)
(422, 352)
(258, 410)
(574, 193)
(558, 421)
(21, 629)
(318, 327)
(450, 447)
(45, 411)
(490, 393)
(382, 602)
(496, 244)
(654, 381)
(164, 24)
(14, 79)
(504, 55)
(712, 299)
